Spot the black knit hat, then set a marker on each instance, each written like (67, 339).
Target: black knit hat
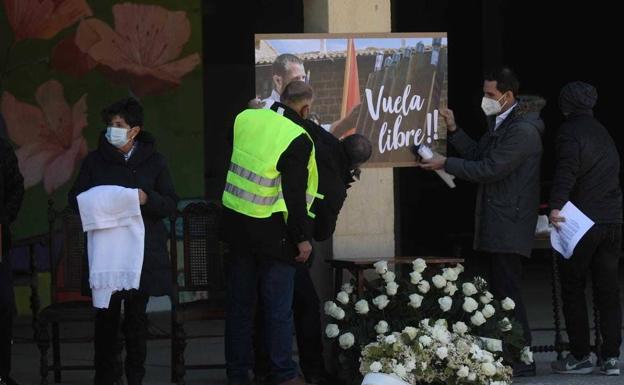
(577, 96)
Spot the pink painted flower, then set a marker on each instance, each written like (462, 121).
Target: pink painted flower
(49, 136)
(43, 19)
(142, 51)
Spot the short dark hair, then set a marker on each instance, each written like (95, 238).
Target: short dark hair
(506, 80)
(296, 92)
(280, 62)
(358, 148)
(129, 109)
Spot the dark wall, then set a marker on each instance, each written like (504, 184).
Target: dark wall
(229, 28)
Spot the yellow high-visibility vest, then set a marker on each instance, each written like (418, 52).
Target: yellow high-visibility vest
(253, 185)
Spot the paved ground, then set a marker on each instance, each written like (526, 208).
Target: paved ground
(26, 357)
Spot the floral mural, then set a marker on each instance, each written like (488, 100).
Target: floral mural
(49, 136)
(53, 53)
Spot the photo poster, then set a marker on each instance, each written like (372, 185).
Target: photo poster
(388, 87)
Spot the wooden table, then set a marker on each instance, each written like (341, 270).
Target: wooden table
(357, 267)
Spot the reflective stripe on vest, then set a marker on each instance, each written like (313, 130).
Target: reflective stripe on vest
(253, 177)
(258, 199)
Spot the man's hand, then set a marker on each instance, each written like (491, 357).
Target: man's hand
(556, 218)
(305, 249)
(436, 163)
(255, 103)
(142, 197)
(449, 118)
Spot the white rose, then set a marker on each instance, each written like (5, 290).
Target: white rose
(487, 297)
(445, 303)
(441, 334)
(459, 268)
(348, 288)
(424, 287)
(493, 345)
(419, 265)
(415, 277)
(389, 276)
(477, 319)
(390, 339)
(342, 297)
(338, 313)
(381, 267)
(460, 328)
(442, 352)
(332, 330)
(400, 371)
(424, 323)
(381, 327)
(508, 304)
(470, 305)
(411, 332)
(425, 340)
(505, 324)
(472, 377)
(381, 301)
(488, 311)
(441, 322)
(527, 355)
(392, 288)
(469, 289)
(488, 369)
(438, 281)
(463, 372)
(361, 307)
(462, 347)
(375, 367)
(449, 274)
(346, 340)
(450, 288)
(415, 300)
(330, 307)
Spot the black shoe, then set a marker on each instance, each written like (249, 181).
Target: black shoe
(520, 369)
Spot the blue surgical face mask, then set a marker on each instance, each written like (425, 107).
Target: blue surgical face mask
(116, 136)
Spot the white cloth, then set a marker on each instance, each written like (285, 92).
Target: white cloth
(111, 217)
(501, 118)
(268, 102)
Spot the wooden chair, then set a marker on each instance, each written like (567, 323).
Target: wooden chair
(203, 270)
(66, 301)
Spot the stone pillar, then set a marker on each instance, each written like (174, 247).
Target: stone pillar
(366, 224)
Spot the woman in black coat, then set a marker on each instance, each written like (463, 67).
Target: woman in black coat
(126, 156)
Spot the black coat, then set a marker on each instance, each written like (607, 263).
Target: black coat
(506, 165)
(588, 168)
(11, 196)
(146, 169)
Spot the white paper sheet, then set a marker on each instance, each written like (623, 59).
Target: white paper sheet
(570, 232)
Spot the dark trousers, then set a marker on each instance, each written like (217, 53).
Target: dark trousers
(307, 316)
(503, 271)
(247, 271)
(134, 327)
(6, 327)
(598, 252)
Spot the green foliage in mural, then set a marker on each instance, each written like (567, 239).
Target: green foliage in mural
(62, 61)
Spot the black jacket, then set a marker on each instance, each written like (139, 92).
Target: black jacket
(11, 196)
(506, 165)
(588, 167)
(146, 169)
(272, 237)
(333, 169)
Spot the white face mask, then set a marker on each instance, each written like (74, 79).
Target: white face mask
(116, 136)
(490, 106)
